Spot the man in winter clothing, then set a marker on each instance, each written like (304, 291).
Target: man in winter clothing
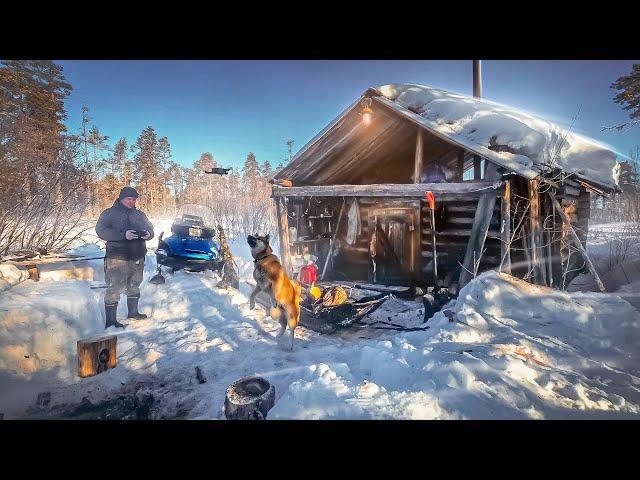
(125, 230)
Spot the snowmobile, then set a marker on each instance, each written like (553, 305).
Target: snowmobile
(190, 247)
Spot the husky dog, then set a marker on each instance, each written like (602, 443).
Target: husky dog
(271, 278)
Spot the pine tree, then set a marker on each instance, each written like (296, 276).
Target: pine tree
(628, 87)
(32, 114)
(176, 182)
(629, 178)
(289, 148)
(164, 152)
(146, 167)
(120, 165)
(205, 162)
(265, 170)
(250, 172)
(84, 135)
(41, 204)
(201, 184)
(99, 146)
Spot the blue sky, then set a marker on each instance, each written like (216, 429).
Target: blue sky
(230, 108)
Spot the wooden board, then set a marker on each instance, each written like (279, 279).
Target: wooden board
(419, 159)
(576, 241)
(505, 230)
(283, 235)
(390, 190)
(535, 222)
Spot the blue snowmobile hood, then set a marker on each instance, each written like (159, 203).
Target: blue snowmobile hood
(193, 248)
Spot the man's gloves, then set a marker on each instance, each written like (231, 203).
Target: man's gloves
(132, 235)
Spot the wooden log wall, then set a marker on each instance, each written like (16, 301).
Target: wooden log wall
(454, 219)
(544, 241)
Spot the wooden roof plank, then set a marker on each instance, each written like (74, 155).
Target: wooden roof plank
(388, 190)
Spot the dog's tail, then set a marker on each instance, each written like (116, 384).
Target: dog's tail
(293, 310)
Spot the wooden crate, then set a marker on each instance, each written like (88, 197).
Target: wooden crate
(96, 354)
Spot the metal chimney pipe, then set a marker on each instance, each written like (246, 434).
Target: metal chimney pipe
(477, 93)
(477, 79)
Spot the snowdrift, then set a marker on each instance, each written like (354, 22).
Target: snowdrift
(480, 124)
(513, 351)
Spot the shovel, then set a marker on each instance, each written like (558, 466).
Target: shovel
(157, 279)
(432, 205)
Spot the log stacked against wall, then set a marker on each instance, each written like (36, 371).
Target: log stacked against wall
(560, 261)
(454, 219)
(575, 201)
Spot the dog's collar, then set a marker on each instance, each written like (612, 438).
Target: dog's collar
(257, 259)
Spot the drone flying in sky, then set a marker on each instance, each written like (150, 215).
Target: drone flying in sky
(219, 171)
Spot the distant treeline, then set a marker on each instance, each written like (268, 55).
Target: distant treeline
(54, 183)
(623, 206)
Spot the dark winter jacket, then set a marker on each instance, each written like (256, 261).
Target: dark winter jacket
(112, 226)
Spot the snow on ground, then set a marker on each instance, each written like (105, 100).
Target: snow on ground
(513, 351)
(39, 327)
(10, 275)
(507, 349)
(610, 246)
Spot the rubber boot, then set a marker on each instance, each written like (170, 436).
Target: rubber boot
(132, 308)
(110, 316)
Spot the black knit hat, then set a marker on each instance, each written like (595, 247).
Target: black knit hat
(128, 192)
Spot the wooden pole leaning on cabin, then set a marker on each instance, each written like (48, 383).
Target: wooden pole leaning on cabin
(418, 167)
(418, 161)
(505, 229)
(548, 239)
(373, 248)
(333, 239)
(539, 272)
(283, 234)
(480, 227)
(576, 241)
(481, 221)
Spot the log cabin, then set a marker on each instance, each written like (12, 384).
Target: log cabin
(511, 192)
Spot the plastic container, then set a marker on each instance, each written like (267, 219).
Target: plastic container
(309, 274)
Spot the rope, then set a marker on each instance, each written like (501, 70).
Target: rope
(397, 327)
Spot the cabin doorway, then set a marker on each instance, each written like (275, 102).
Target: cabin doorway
(394, 233)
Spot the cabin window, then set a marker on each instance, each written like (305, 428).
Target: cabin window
(468, 172)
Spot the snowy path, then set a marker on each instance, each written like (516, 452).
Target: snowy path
(514, 351)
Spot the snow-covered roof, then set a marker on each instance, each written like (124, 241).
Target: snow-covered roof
(477, 124)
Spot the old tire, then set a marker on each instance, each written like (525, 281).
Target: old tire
(249, 398)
